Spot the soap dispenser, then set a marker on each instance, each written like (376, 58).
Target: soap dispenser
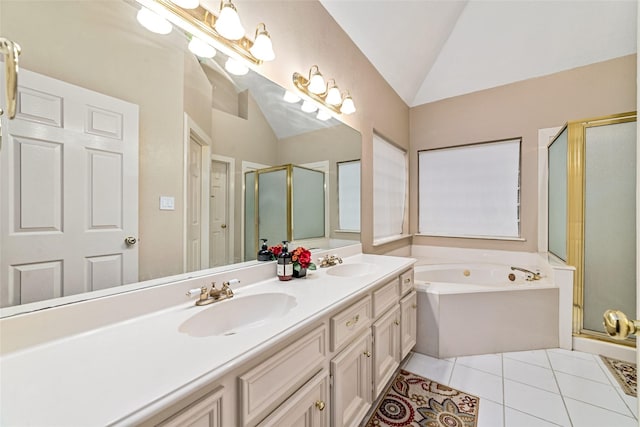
(264, 254)
(285, 264)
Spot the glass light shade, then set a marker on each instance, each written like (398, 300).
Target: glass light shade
(309, 107)
(236, 67)
(201, 48)
(228, 23)
(153, 22)
(263, 48)
(187, 4)
(333, 96)
(323, 115)
(348, 107)
(316, 83)
(290, 97)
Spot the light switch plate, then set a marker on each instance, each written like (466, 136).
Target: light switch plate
(167, 203)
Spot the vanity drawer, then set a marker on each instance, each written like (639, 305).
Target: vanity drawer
(406, 282)
(385, 297)
(270, 383)
(349, 322)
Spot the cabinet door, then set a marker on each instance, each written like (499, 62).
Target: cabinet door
(306, 408)
(206, 412)
(408, 323)
(386, 348)
(351, 390)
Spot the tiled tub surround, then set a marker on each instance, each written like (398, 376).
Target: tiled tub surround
(131, 362)
(460, 317)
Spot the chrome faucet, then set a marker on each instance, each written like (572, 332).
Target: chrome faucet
(329, 261)
(215, 294)
(530, 274)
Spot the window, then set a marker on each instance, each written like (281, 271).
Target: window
(390, 179)
(470, 191)
(349, 195)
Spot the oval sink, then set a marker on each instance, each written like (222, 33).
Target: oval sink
(238, 314)
(351, 270)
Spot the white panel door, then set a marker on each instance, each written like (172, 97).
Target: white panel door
(219, 213)
(194, 205)
(68, 192)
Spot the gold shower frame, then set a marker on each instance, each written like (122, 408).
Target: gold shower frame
(576, 180)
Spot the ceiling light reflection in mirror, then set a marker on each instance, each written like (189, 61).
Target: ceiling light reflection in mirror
(237, 122)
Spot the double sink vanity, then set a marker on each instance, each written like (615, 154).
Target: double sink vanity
(315, 351)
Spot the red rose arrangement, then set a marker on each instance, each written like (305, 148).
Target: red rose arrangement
(300, 257)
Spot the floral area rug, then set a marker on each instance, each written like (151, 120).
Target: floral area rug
(624, 373)
(412, 400)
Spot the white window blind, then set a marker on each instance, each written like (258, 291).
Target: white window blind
(349, 195)
(390, 179)
(471, 190)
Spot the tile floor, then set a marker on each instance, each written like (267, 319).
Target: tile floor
(535, 388)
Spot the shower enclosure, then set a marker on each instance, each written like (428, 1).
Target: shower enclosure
(283, 203)
(592, 216)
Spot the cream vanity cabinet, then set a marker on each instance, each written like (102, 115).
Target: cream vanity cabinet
(327, 376)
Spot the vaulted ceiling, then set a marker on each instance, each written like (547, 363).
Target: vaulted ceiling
(429, 50)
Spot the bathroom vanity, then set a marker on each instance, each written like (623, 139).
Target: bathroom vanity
(314, 351)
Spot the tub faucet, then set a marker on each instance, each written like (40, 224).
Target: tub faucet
(530, 274)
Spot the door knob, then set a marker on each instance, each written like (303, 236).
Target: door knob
(223, 226)
(320, 405)
(130, 240)
(618, 325)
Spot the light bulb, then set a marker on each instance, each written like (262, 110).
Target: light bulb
(309, 107)
(348, 107)
(333, 96)
(228, 23)
(200, 48)
(153, 22)
(290, 97)
(316, 83)
(187, 4)
(263, 48)
(323, 115)
(236, 67)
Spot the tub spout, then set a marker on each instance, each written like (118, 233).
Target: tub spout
(530, 274)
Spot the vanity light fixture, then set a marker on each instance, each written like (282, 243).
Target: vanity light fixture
(153, 22)
(223, 31)
(228, 23)
(201, 48)
(235, 67)
(187, 4)
(327, 95)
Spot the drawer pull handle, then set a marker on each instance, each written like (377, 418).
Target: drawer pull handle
(320, 404)
(407, 280)
(414, 306)
(353, 321)
(367, 353)
(395, 322)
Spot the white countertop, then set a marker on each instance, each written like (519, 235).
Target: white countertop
(123, 372)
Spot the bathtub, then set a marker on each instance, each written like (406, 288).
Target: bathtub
(479, 308)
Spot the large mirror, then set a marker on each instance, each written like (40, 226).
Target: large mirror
(128, 156)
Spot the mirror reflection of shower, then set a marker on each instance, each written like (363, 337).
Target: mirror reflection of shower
(287, 202)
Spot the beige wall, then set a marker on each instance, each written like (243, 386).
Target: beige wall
(518, 110)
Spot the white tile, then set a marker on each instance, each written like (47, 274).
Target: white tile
(491, 363)
(515, 418)
(592, 392)
(532, 375)
(585, 415)
(534, 357)
(608, 373)
(570, 364)
(490, 414)
(473, 381)
(534, 401)
(573, 354)
(435, 369)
